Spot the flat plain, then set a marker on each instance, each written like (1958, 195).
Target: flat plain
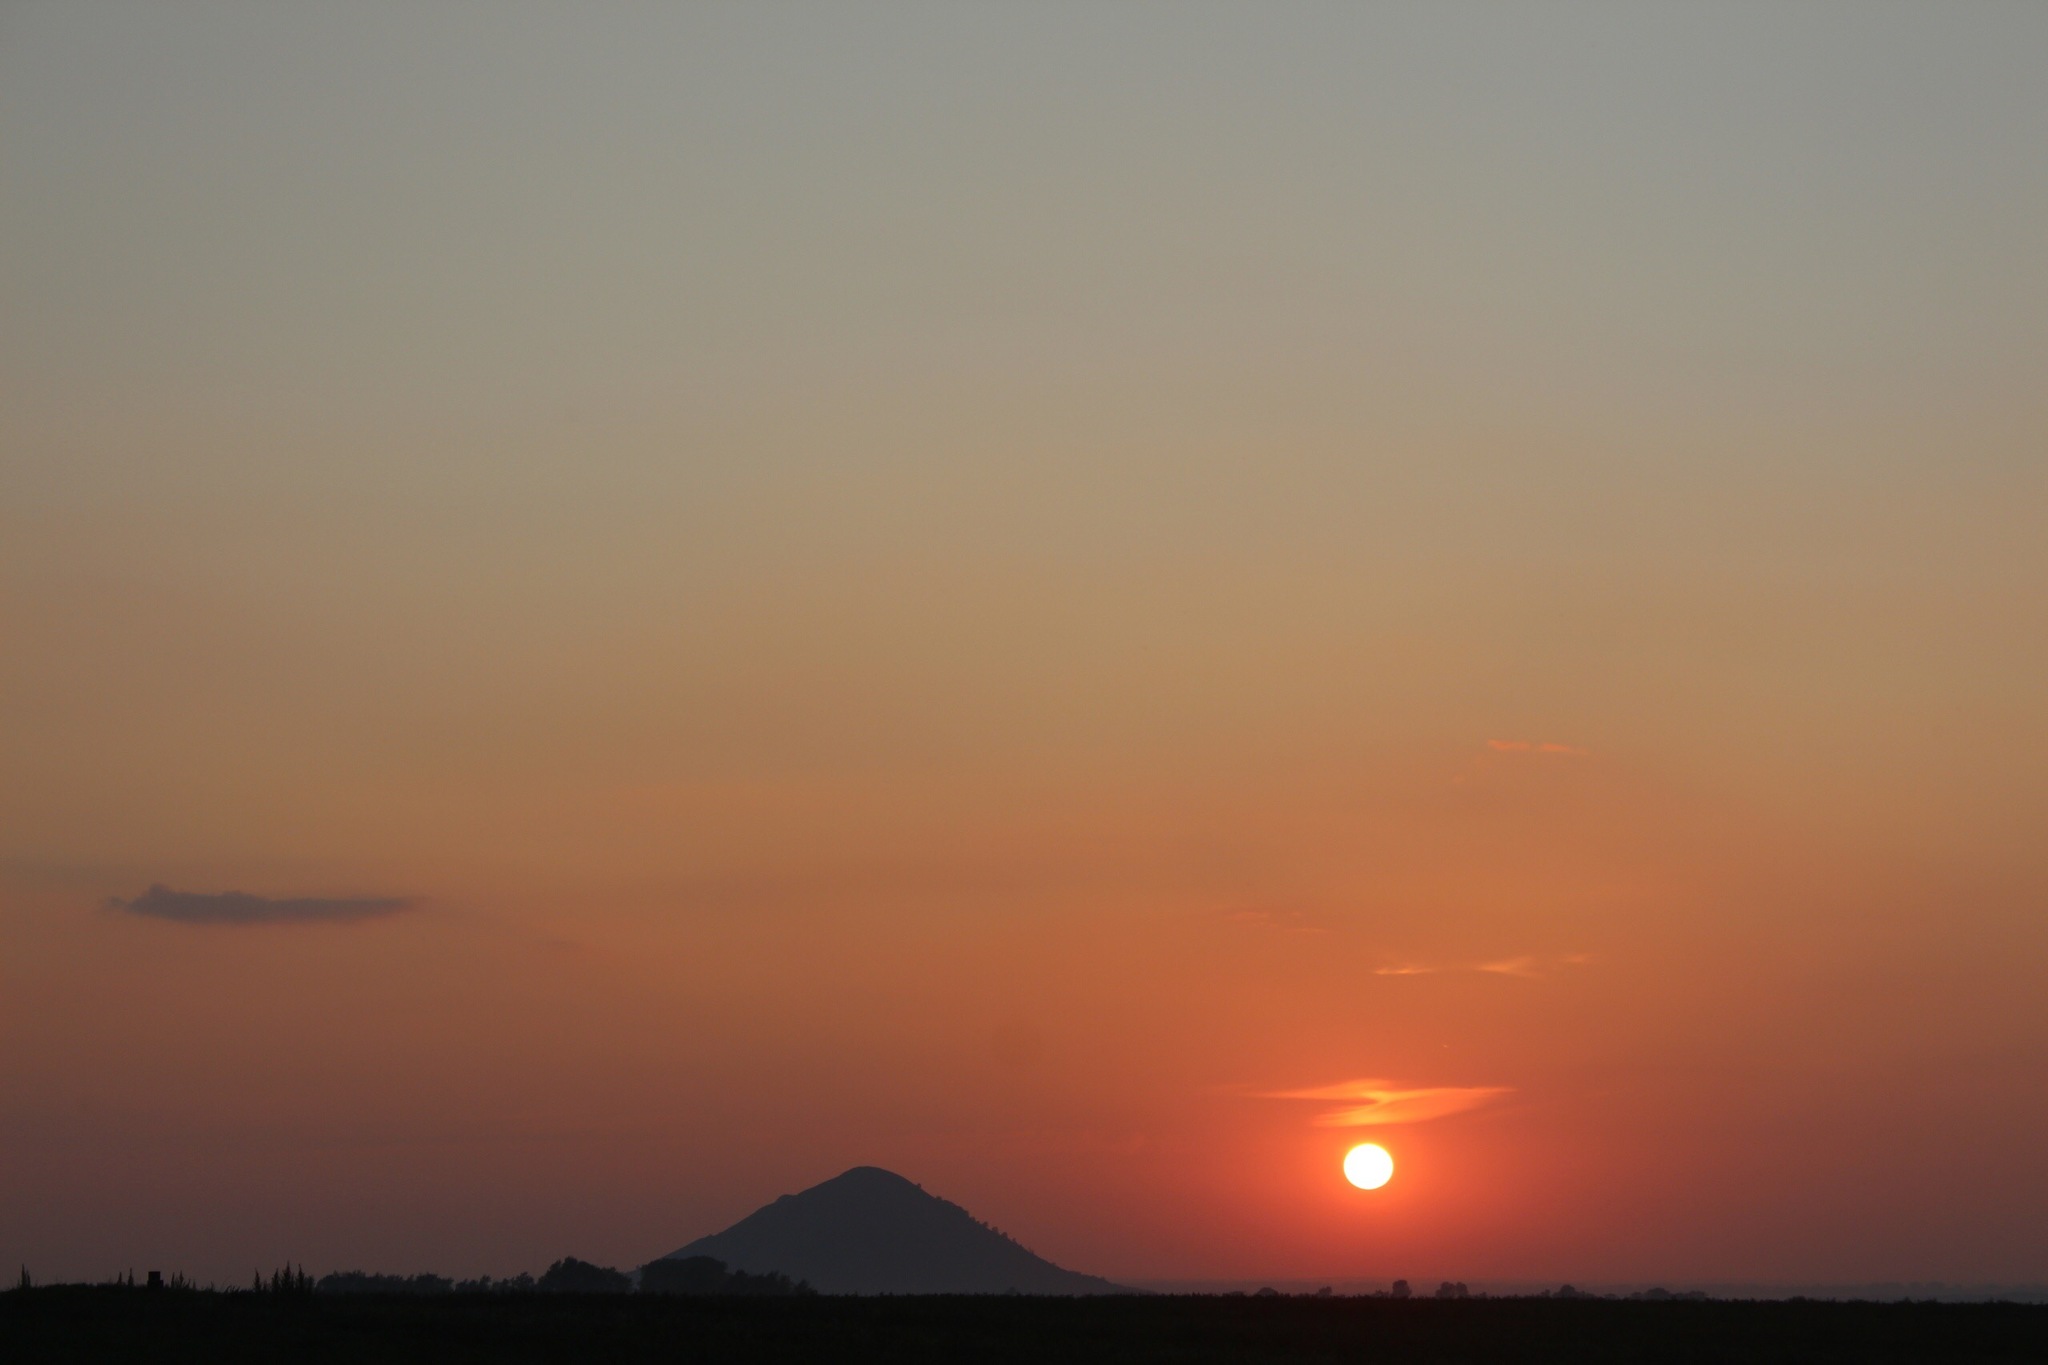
(81, 1323)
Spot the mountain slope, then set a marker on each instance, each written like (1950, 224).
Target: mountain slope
(870, 1231)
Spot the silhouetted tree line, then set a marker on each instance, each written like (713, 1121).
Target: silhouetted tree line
(356, 1282)
(708, 1275)
(692, 1275)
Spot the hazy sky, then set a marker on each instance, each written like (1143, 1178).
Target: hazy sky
(982, 589)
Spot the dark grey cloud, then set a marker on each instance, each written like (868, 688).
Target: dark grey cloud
(237, 907)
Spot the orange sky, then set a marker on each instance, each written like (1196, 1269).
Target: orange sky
(988, 594)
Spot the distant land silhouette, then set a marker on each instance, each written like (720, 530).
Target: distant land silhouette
(870, 1231)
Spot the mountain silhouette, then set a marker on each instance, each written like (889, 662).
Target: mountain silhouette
(870, 1231)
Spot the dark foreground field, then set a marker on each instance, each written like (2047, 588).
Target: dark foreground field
(108, 1324)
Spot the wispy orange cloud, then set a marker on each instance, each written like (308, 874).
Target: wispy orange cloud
(1374, 1103)
(1526, 966)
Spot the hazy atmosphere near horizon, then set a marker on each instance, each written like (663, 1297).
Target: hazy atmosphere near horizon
(609, 610)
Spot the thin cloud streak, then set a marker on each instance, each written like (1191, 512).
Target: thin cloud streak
(1375, 1103)
(1527, 967)
(1288, 921)
(238, 907)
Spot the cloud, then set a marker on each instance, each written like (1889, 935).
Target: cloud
(236, 907)
(1526, 966)
(1374, 1103)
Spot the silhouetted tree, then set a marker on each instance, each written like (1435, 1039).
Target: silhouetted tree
(288, 1280)
(571, 1276)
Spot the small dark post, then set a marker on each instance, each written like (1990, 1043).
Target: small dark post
(156, 1279)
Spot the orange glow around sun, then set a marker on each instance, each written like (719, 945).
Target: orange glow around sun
(1368, 1166)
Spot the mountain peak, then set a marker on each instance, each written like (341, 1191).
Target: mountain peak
(872, 1176)
(871, 1231)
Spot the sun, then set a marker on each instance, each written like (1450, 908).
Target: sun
(1368, 1166)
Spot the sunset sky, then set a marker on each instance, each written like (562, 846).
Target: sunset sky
(1089, 603)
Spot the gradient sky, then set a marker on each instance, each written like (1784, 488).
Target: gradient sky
(1051, 597)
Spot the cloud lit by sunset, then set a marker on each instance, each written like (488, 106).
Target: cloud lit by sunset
(1371, 1103)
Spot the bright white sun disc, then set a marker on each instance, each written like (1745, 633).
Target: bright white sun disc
(1368, 1166)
